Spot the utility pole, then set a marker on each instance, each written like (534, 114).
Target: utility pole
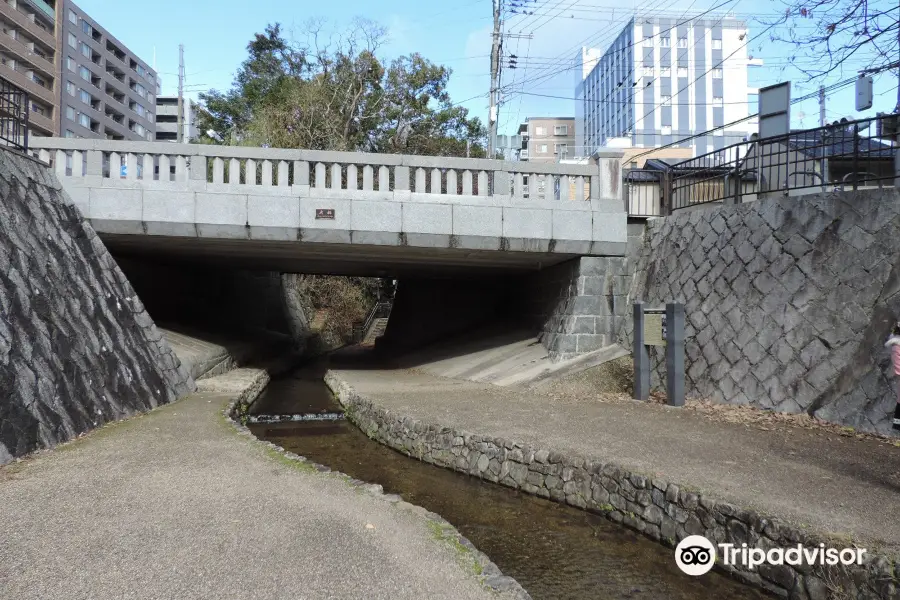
(180, 135)
(822, 119)
(495, 78)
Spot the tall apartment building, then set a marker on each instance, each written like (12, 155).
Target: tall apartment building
(547, 139)
(106, 90)
(167, 119)
(660, 82)
(28, 58)
(82, 81)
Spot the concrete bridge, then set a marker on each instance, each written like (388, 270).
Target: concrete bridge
(340, 212)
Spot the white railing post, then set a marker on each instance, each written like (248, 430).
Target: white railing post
(482, 183)
(131, 164)
(283, 179)
(146, 167)
(301, 172)
(384, 179)
(59, 163)
(320, 176)
(218, 170)
(234, 172)
(165, 168)
(368, 177)
(266, 173)
(420, 180)
(335, 183)
(435, 181)
(352, 177)
(250, 172)
(452, 182)
(115, 165)
(467, 182)
(181, 173)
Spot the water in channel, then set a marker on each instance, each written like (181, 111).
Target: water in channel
(552, 550)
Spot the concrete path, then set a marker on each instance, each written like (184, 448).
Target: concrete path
(175, 504)
(818, 479)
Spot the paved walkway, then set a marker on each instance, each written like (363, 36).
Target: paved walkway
(833, 484)
(175, 504)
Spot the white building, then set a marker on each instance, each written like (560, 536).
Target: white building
(167, 119)
(660, 82)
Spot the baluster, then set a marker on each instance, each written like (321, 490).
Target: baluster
(579, 189)
(519, 185)
(283, 179)
(131, 164)
(77, 163)
(59, 163)
(335, 183)
(467, 182)
(44, 155)
(563, 187)
(218, 170)
(452, 188)
(115, 165)
(368, 178)
(420, 180)
(147, 167)
(352, 177)
(94, 159)
(320, 175)
(181, 172)
(436, 181)
(482, 183)
(234, 171)
(301, 172)
(165, 168)
(250, 172)
(384, 179)
(267, 173)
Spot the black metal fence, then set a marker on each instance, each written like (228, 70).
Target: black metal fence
(845, 155)
(14, 108)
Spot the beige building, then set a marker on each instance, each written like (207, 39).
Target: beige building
(28, 58)
(547, 139)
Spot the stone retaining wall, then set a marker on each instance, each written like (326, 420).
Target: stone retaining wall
(664, 511)
(77, 347)
(788, 301)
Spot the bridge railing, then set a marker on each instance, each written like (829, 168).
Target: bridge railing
(257, 170)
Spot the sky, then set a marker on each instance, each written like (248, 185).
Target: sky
(456, 33)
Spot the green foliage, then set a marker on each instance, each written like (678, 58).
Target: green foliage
(334, 93)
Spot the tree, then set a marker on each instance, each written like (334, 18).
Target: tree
(847, 35)
(333, 93)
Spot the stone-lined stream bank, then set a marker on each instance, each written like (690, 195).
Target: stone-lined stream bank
(552, 550)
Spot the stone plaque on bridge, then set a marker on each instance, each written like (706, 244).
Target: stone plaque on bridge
(325, 213)
(655, 329)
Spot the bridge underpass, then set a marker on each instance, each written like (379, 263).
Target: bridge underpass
(472, 241)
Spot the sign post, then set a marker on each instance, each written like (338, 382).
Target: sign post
(659, 327)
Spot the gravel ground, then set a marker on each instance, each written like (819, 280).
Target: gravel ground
(175, 504)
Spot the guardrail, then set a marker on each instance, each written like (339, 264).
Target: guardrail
(847, 155)
(263, 168)
(14, 109)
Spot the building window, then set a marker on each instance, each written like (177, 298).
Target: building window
(648, 71)
(84, 120)
(86, 27)
(717, 44)
(665, 72)
(647, 42)
(73, 18)
(70, 63)
(682, 42)
(72, 41)
(139, 129)
(682, 71)
(717, 101)
(85, 73)
(560, 148)
(665, 42)
(70, 133)
(139, 90)
(561, 130)
(70, 113)
(540, 131)
(85, 97)
(542, 148)
(717, 73)
(666, 100)
(70, 88)
(667, 130)
(86, 50)
(139, 109)
(38, 109)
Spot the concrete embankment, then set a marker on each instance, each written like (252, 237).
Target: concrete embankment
(665, 473)
(175, 503)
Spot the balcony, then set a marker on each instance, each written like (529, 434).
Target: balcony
(24, 82)
(28, 26)
(21, 52)
(43, 7)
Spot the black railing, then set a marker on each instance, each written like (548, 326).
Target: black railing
(14, 108)
(381, 310)
(848, 155)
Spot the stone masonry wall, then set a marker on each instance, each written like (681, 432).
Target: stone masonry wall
(788, 301)
(77, 348)
(662, 510)
(577, 306)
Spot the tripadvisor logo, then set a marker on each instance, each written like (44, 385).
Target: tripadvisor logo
(696, 555)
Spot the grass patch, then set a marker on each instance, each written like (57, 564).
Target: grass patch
(446, 534)
(297, 465)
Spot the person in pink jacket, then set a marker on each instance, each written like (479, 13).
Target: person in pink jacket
(893, 342)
